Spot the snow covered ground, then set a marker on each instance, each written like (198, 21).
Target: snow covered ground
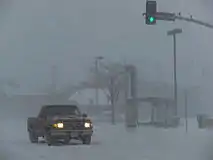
(112, 142)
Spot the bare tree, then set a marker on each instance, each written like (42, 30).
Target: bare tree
(111, 81)
(114, 90)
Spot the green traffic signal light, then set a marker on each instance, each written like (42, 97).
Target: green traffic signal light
(151, 19)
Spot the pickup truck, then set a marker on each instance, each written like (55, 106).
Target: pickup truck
(60, 122)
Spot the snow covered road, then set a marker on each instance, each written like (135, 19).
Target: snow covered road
(111, 142)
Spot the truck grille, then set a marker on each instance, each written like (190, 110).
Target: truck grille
(73, 125)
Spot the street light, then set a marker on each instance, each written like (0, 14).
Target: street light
(173, 33)
(97, 59)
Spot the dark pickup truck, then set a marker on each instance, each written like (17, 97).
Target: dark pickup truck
(60, 122)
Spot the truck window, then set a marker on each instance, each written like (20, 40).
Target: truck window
(60, 110)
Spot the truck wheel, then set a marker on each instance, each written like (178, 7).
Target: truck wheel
(33, 137)
(49, 140)
(86, 139)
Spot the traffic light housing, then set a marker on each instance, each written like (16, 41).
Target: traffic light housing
(151, 9)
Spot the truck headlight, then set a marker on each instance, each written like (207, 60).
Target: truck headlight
(59, 125)
(87, 125)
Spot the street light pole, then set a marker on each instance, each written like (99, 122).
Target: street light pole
(97, 59)
(173, 33)
(175, 72)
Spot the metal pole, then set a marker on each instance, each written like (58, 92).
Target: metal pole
(191, 19)
(186, 110)
(175, 74)
(97, 81)
(97, 78)
(173, 33)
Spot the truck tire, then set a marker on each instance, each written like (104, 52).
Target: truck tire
(33, 137)
(86, 139)
(49, 140)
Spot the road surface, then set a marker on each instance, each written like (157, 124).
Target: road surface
(109, 142)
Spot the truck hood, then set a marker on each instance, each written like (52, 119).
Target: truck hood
(68, 118)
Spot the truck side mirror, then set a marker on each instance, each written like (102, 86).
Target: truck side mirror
(84, 115)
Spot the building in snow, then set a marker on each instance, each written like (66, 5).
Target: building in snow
(87, 97)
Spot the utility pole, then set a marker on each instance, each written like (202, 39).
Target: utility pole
(173, 33)
(97, 59)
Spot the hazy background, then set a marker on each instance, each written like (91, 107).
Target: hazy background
(37, 34)
(34, 35)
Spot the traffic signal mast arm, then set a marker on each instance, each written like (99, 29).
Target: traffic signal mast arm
(166, 16)
(194, 21)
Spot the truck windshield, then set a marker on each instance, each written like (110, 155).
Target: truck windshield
(61, 110)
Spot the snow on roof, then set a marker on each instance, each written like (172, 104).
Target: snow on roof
(87, 97)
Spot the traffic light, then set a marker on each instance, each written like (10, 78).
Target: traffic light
(151, 9)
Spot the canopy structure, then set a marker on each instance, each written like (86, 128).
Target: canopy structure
(156, 101)
(162, 110)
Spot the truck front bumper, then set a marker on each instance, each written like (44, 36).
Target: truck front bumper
(70, 133)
